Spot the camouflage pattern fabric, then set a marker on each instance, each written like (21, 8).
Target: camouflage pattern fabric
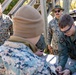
(53, 33)
(6, 28)
(18, 59)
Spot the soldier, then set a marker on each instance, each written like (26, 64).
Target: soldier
(67, 46)
(5, 27)
(53, 30)
(18, 52)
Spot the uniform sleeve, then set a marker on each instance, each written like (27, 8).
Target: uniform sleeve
(73, 68)
(63, 51)
(10, 26)
(37, 69)
(49, 33)
(32, 64)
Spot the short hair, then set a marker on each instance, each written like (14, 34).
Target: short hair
(66, 20)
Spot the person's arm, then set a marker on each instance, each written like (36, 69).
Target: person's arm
(73, 68)
(49, 34)
(63, 51)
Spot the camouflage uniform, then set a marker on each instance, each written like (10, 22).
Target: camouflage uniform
(18, 59)
(5, 28)
(67, 48)
(53, 34)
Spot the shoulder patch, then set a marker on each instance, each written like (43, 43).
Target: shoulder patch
(61, 40)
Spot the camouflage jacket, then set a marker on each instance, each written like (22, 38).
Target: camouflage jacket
(18, 59)
(53, 33)
(67, 48)
(6, 28)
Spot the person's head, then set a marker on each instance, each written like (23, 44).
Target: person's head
(0, 9)
(57, 10)
(28, 24)
(66, 25)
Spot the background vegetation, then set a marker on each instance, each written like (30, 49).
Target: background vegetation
(12, 4)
